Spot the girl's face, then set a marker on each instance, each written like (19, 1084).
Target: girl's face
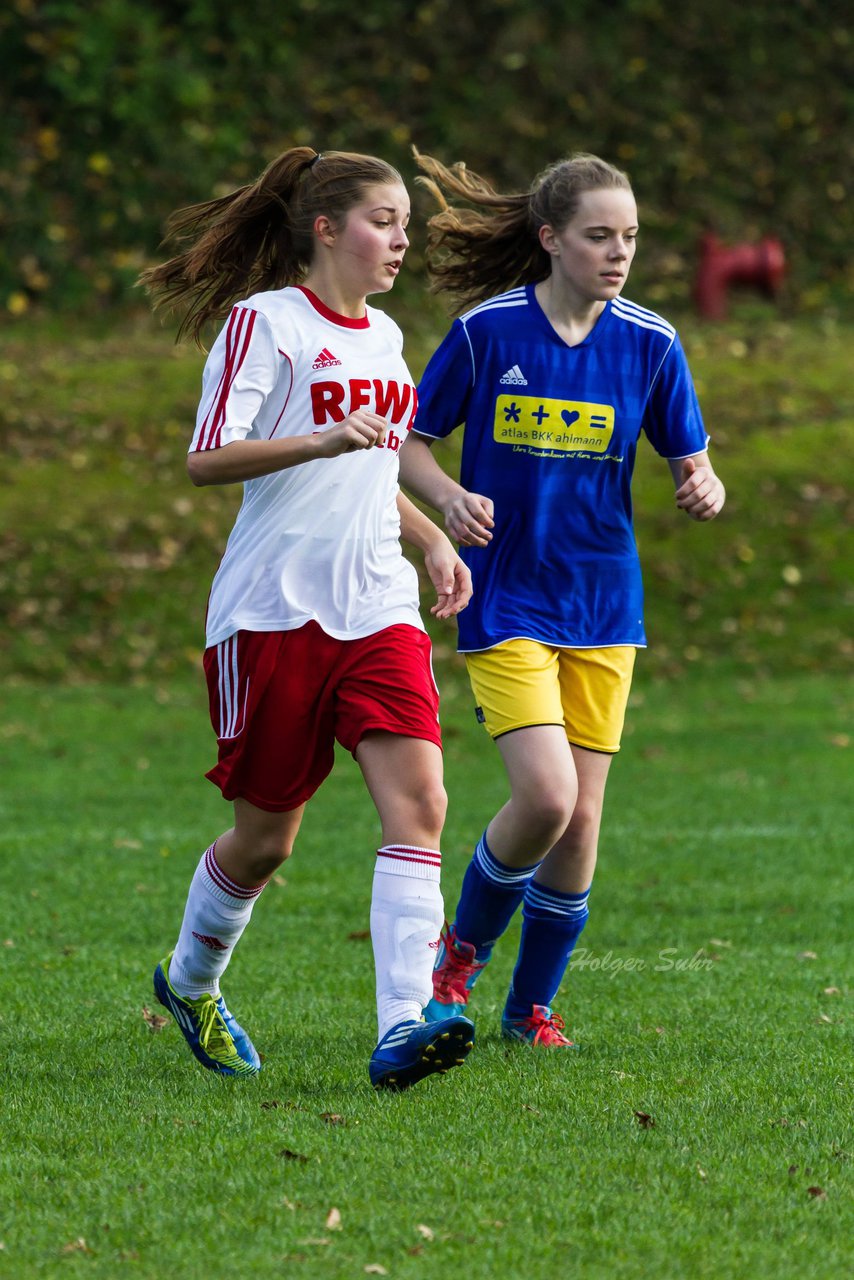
(368, 246)
(592, 255)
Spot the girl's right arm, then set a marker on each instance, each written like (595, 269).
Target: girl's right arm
(468, 516)
(247, 459)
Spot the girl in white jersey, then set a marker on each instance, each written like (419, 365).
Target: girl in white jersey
(313, 629)
(555, 376)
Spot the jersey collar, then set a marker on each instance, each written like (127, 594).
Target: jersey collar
(346, 322)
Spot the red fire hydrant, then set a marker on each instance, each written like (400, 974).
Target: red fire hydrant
(760, 266)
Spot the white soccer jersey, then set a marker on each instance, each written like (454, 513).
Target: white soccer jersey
(320, 540)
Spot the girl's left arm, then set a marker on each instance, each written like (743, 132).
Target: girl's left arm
(448, 574)
(699, 491)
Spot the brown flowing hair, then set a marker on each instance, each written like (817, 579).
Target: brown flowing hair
(260, 236)
(476, 253)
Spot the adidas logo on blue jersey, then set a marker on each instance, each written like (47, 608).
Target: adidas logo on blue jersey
(514, 377)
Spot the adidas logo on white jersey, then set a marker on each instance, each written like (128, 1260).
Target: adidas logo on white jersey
(324, 359)
(514, 377)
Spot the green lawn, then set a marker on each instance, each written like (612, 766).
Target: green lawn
(701, 1131)
(107, 552)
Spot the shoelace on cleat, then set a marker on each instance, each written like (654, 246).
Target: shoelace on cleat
(214, 1036)
(449, 982)
(547, 1031)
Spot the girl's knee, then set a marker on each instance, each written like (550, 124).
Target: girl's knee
(431, 802)
(586, 820)
(266, 855)
(548, 809)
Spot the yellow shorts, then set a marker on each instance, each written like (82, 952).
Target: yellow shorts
(521, 683)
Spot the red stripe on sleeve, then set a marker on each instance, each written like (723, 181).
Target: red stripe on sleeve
(237, 345)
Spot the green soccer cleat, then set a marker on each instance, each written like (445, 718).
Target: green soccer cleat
(219, 1043)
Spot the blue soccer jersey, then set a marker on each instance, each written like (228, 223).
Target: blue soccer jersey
(551, 433)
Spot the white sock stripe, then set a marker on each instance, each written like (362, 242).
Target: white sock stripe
(498, 874)
(225, 886)
(541, 898)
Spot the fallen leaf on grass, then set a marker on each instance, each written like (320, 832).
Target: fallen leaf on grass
(374, 1269)
(360, 935)
(156, 1022)
(76, 1246)
(822, 1017)
(701, 1173)
(333, 1220)
(807, 955)
(817, 1193)
(719, 942)
(645, 1121)
(315, 1240)
(839, 740)
(831, 991)
(426, 1232)
(331, 1117)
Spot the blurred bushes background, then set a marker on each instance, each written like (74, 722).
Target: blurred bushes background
(727, 115)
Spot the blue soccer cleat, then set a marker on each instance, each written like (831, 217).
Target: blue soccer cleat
(454, 974)
(541, 1027)
(413, 1050)
(219, 1043)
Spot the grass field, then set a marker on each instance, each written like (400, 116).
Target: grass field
(703, 1130)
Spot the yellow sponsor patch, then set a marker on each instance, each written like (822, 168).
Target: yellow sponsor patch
(567, 426)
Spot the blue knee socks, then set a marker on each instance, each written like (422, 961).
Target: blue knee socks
(551, 925)
(490, 894)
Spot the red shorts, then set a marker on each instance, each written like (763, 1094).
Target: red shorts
(280, 699)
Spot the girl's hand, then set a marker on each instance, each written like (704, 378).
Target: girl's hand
(451, 579)
(700, 493)
(360, 430)
(469, 519)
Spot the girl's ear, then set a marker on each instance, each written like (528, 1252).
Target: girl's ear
(547, 238)
(324, 229)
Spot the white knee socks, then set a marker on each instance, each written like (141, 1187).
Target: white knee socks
(216, 914)
(406, 917)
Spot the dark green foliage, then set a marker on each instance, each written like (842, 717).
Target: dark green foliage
(726, 115)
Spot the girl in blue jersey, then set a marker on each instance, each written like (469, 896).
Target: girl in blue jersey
(555, 376)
